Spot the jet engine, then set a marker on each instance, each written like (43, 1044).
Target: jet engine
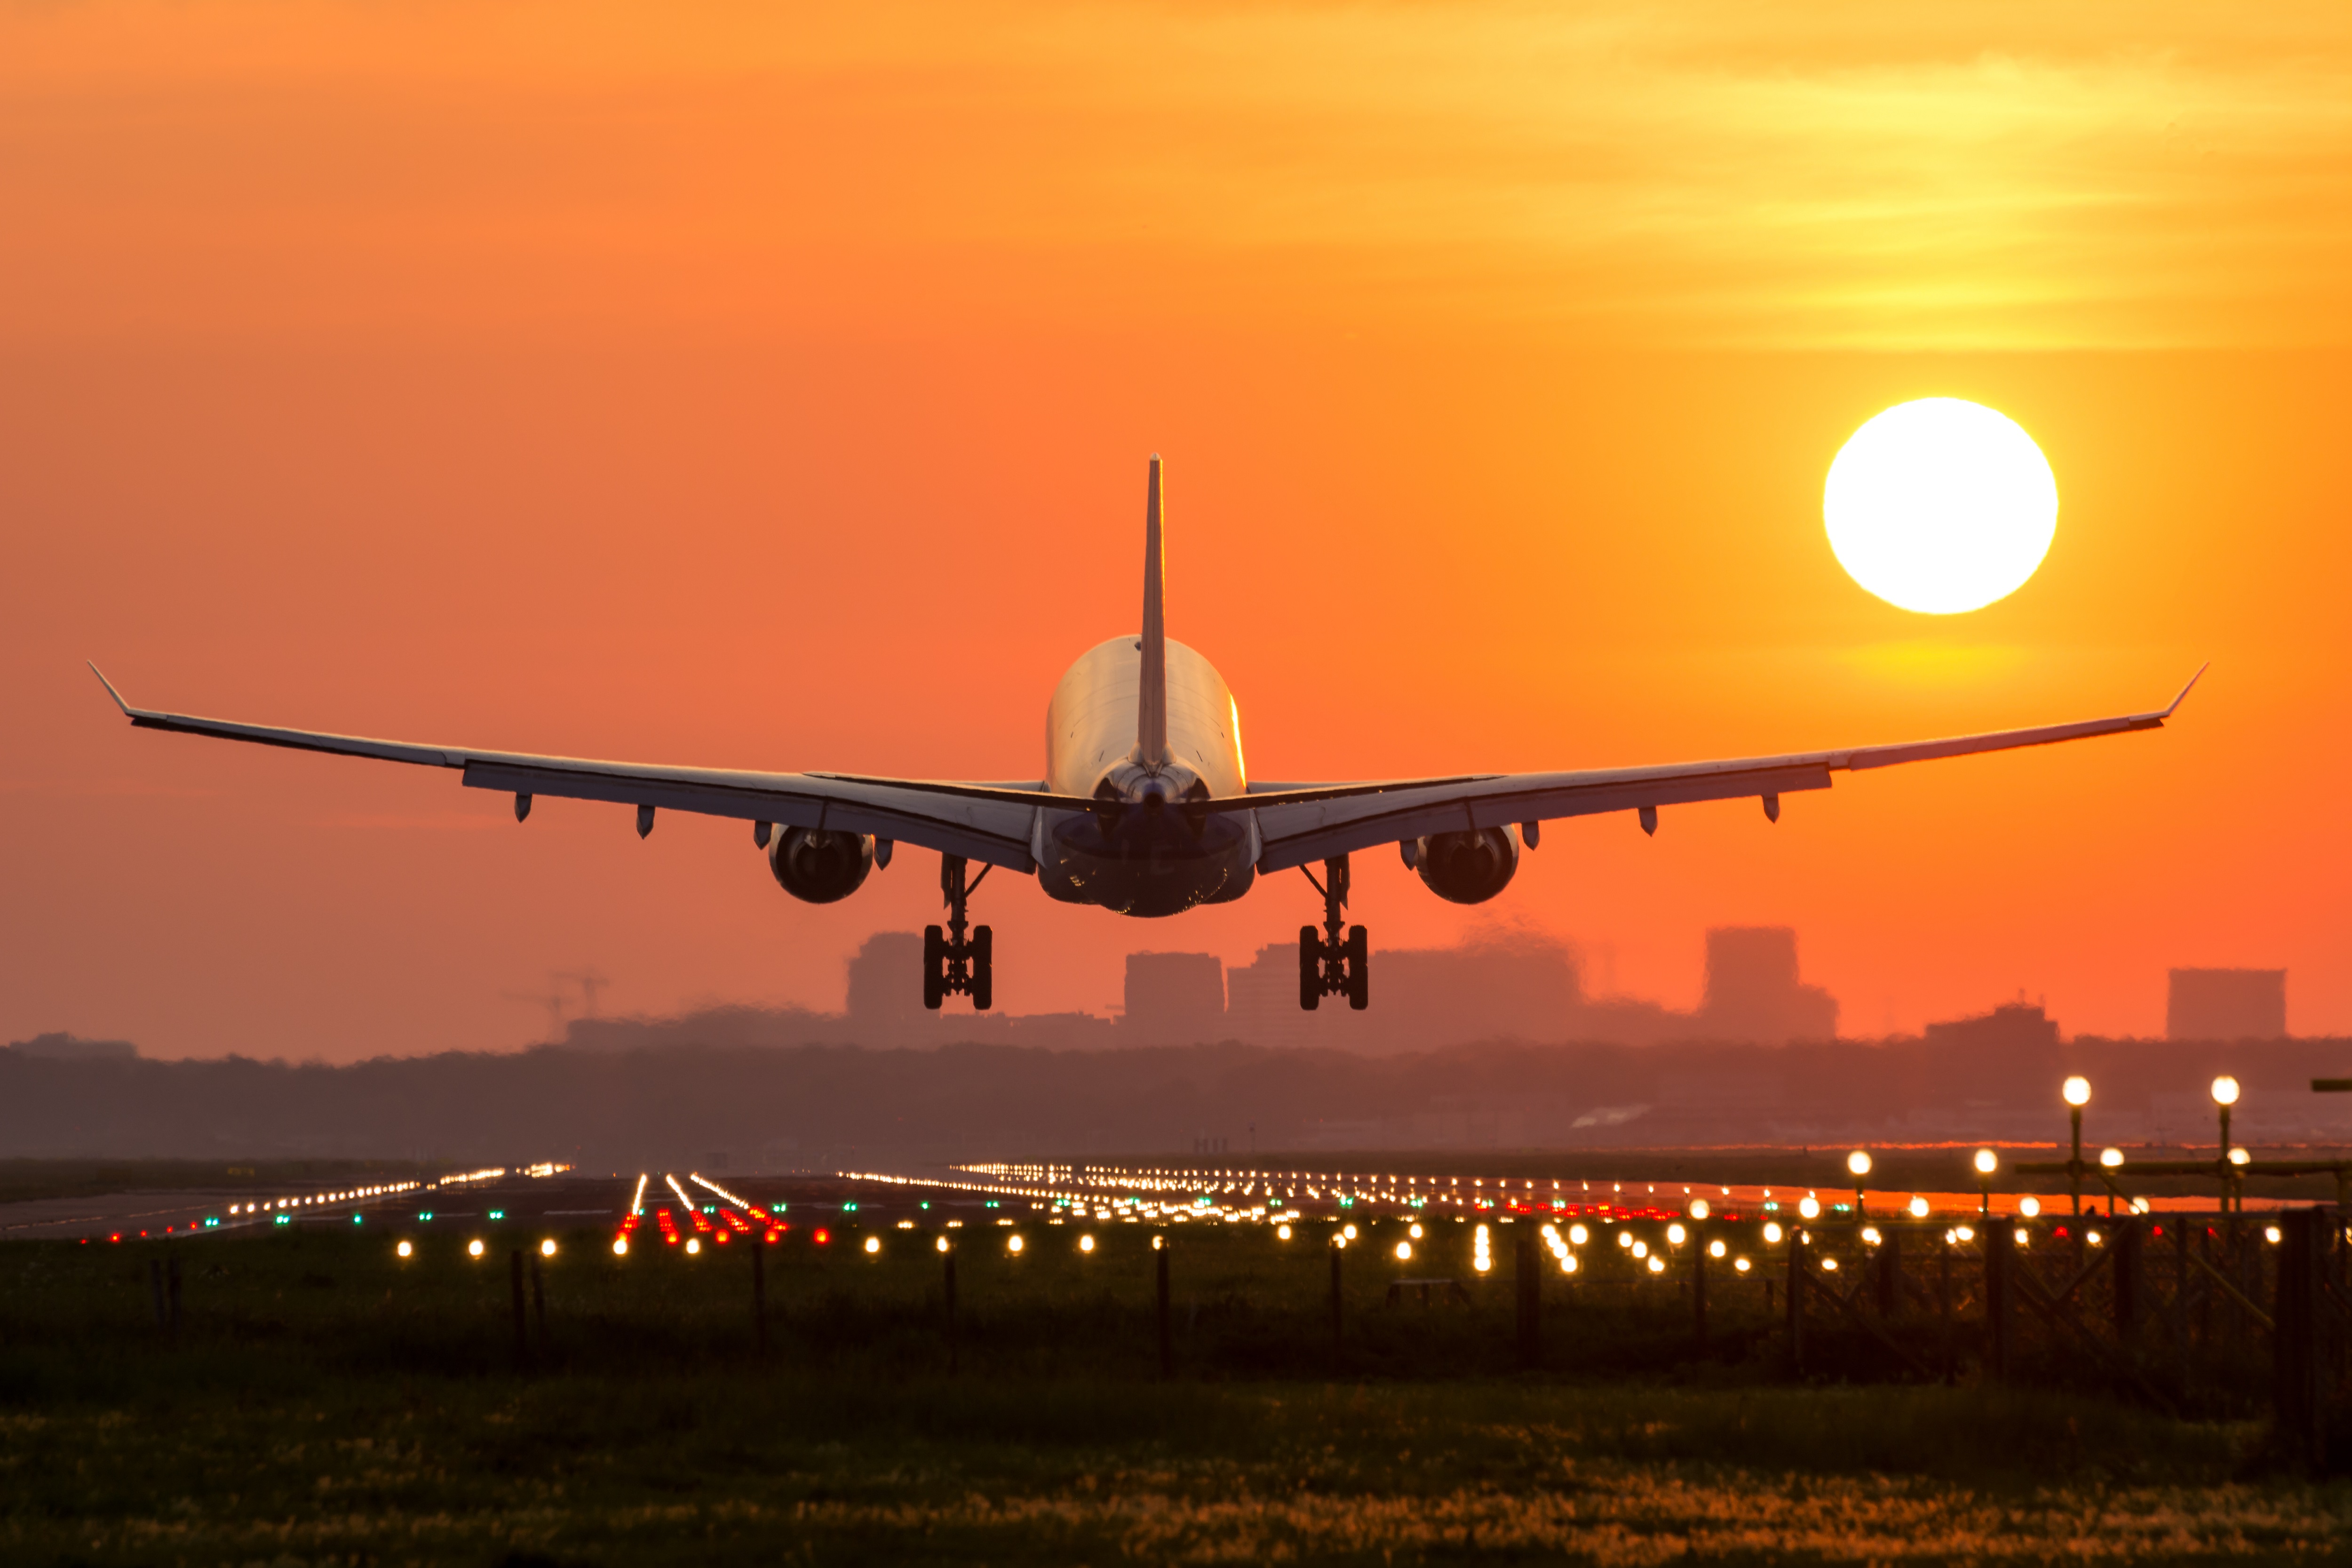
(1467, 867)
(818, 867)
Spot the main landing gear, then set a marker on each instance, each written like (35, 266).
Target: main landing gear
(1329, 964)
(954, 967)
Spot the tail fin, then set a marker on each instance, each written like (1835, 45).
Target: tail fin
(1152, 698)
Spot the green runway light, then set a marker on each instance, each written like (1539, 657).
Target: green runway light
(286, 1219)
(849, 1208)
(427, 1215)
(498, 1214)
(356, 1218)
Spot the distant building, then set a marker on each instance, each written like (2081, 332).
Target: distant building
(886, 978)
(1175, 998)
(1753, 993)
(2011, 1029)
(2226, 1004)
(1262, 1000)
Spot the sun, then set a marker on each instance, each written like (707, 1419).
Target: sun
(1940, 506)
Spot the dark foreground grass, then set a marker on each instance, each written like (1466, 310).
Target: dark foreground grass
(322, 1405)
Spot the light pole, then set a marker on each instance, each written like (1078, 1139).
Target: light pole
(2111, 1160)
(2077, 1093)
(2225, 1095)
(1987, 1162)
(1859, 1164)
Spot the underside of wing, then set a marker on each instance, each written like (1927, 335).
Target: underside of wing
(990, 823)
(1308, 823)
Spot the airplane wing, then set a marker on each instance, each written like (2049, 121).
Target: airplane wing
(1301, 823)
(991, 823)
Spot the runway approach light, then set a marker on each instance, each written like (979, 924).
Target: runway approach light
(1809, 1206)
(473, 1249)
(1085, 1244)
(1919, 1208)
(1404, 1251)
(1772, 1233)
(1858, 1163)
(2225, 1090)
(1676, 1236)
(873, 1245)
(1715, 1249)
(403, 1249)
(1987, 1162)
(2077, 1091)
(943, 1244)
(2111, 1158)
(620, 1247)
(1282, 1231)
(547, 1248)
(2240, 1157)
(2029, 1205)
(1577, 1236)
(1698, 1208)
(693, 1245)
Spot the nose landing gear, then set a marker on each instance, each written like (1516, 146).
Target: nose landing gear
(953, 965)
(1331, 964)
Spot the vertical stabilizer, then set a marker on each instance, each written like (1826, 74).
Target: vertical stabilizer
(1151, 696)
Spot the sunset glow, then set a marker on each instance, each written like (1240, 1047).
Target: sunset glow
(769, 388)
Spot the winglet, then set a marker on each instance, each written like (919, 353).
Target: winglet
(2190, 688)
(110, 687)
(1151, 694)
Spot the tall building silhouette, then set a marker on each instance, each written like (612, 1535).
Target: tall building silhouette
(1753, 991)
(2226, 1004)
(886, 979)
(1174, 999)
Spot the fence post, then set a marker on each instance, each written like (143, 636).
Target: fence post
(2000, 1258)
(760, 1295)
(1167, 1345)
(1529, 1285)
(1890, 1270)
(948, 1256)
(539, 1304)
(1337, 1243)
(1698, 1284)
(2299, 1393)
(2128, 1273)
(514, 1277)
(1797, 1300)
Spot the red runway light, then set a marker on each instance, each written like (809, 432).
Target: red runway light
(823, 1236)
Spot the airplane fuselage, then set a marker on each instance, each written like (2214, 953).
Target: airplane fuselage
(1143, 853)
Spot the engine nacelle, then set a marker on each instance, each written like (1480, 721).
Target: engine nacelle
(820, 867)
(1468, 867)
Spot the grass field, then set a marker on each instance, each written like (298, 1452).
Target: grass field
(323, 1401)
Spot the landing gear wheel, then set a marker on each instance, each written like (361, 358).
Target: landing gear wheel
(953, 965)
(934, 967)
(1337, 960)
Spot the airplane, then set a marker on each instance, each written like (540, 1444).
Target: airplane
(1146, 808)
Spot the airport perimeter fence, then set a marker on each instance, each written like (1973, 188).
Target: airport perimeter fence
(2195, 1314)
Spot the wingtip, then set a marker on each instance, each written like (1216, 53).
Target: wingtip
(109, 686)
(2187, 689)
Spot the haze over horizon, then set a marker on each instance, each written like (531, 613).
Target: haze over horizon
(766, 391)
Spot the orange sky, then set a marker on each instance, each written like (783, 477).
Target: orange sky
(772, 389)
